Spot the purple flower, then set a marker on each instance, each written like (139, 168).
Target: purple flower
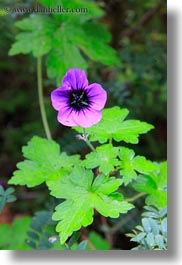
(78, 103)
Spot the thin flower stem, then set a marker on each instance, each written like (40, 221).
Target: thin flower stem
(90, 145)
(135, 197)
(84, 237)
(107, 233)
(41, 100)
(85, 138)
(66, 245)
(110, 140)
(122, 222)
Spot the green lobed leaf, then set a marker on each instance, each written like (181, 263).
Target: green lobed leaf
(13, 236)
(92, 39)
(105, 157)
(106, 185)
(145, 183)
(60, 59)
(82, 196)
(120, 130)
(71, 39)
(160, 177)
(37, 37)
(157, 198)
(68, 38)
(130, 164)
(44, 162)
(154, 184)
(72, 215)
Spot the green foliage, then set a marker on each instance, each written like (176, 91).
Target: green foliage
(13, 236)
(82, 195)
(98, 242)
(155, 185)
(81, 191)
(82, 245)
(93, 10)
(6, 196)
(64, 37)
(61, 57)
(42, 235)
(80, 40)
(130, 164)
(152, 234)
(114, 126)
(92, 39)
(43, 162)
(105, 157)
(70, 39)
(37, 37)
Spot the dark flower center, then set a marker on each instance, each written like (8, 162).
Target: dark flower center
(78, 99)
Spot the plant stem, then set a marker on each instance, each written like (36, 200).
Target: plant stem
(122, 222)
(66, 245)
(135, 197)
(110, 140)
(84, 237)
(90, 145)
(85, 138)
(107, 233)
(41, 100)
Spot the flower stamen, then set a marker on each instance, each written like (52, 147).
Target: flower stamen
(78, 99)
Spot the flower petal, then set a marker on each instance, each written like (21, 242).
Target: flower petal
(65, 116)
(97, 96)
(75, 79)
(87, 117)
(59, 98)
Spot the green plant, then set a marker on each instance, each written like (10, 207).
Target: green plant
(154, 185)
(93, 183)
(13, 236)
(82, 190)
(6, 196)
(152, 233)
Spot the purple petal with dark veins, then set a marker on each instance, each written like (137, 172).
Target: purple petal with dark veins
(97, 96)
(59, 98)
(75, 79)
(87, 117)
